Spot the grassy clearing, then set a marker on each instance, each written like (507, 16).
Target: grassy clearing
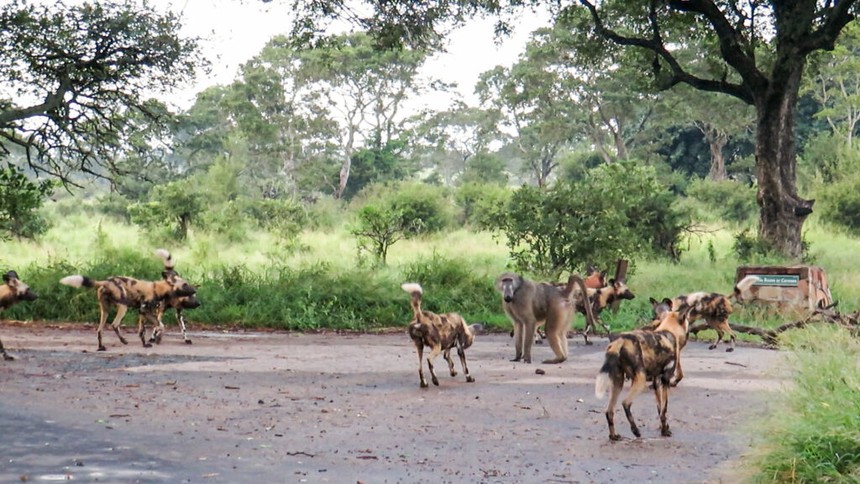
(322, 281)
(813, 433)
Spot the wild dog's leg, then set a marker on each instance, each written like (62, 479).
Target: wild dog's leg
(181, 318)
(420, 347)
(158, 331)
(447, 355)
(462, 354)
(437, 348)
(617, 386)
(661, 390)
(120, 313)
(679, 373)
(636, 387)
(6, 356)
(723, 327)
(141, 328)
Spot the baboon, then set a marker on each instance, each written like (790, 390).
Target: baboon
(12, 291)
(530, 304)
(440, 333)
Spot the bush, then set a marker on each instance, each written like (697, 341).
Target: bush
(618, 211)
(20, 200)
(840, 205)
(481, 203)
(814, 433)
(425, 208)
(729, 200)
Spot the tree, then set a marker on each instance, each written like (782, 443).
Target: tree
(756, 51)
(20, 200)
(80, 74)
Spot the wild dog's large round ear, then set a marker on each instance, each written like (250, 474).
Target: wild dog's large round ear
(667, 302)
(653, 301)
(9, 276)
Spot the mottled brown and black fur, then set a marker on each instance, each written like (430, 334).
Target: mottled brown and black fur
(713, 307)
(601, 298)
(530, 304)
(126, 292)
(440, 333)
(642, 356)
(12, 291)
(178, 303)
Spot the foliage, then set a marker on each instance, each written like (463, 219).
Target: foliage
(425, 209)
(80, 73)
(812, 434)
(730, 200)
(377, 228)
(618, 211)
(173, 206)
(840, 204)
(20, 200)
(481, 203)
(372, 165)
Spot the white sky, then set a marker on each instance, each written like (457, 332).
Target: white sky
(233, 31)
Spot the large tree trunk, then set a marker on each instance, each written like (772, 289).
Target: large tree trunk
(782, 210)
(717, 140)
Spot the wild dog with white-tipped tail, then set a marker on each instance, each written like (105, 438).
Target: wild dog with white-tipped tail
(440, 333)
(178, 303)
(12, 291)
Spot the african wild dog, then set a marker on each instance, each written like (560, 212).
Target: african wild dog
(714, 308)
(176, 302)
(12, 291)
(440, 333)
(601, 298)
(642, 356)
(126, 292)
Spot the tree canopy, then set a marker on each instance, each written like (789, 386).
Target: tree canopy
(76, 82)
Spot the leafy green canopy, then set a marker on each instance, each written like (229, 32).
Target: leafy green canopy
(74, 80)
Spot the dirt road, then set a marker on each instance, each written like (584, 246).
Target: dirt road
(286, 407)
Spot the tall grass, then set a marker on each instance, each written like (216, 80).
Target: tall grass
(320, 281)
(813, 433)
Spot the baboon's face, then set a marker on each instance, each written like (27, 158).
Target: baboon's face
(178, 285)
(507, 286)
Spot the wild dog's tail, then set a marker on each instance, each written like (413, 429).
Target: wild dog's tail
(742, 285)
(78, 281)
(415, 290)
(568, 290)
(168, 259)
(611, 366)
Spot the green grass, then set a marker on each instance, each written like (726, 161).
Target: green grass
(813, 432)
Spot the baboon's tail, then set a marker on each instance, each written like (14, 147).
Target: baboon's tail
(611, 366)
(78, 281)
(165, 255)
(415, 290)
(742, 285)
(575, 280)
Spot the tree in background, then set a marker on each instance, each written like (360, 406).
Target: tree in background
(20, 200)
(757, 53)
(80, 74)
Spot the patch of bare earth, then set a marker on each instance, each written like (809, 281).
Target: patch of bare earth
(287, 407)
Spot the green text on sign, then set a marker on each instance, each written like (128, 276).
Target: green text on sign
(776, 280)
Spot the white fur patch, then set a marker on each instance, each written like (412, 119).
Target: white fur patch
(411, 287)
(74, 281)
(601, 384)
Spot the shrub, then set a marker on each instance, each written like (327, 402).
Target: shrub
(425, 208)
(481, 203)
(618, 211)
(840, 204)
(730, 200)
(20, 200)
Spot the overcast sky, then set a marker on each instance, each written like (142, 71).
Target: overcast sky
(233, 31)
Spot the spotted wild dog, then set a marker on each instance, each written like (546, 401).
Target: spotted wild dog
(440, 333)
(178, 303)
(12, 291)
(125, 292)
(713, 307)
(601, 298)
(642, 356)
